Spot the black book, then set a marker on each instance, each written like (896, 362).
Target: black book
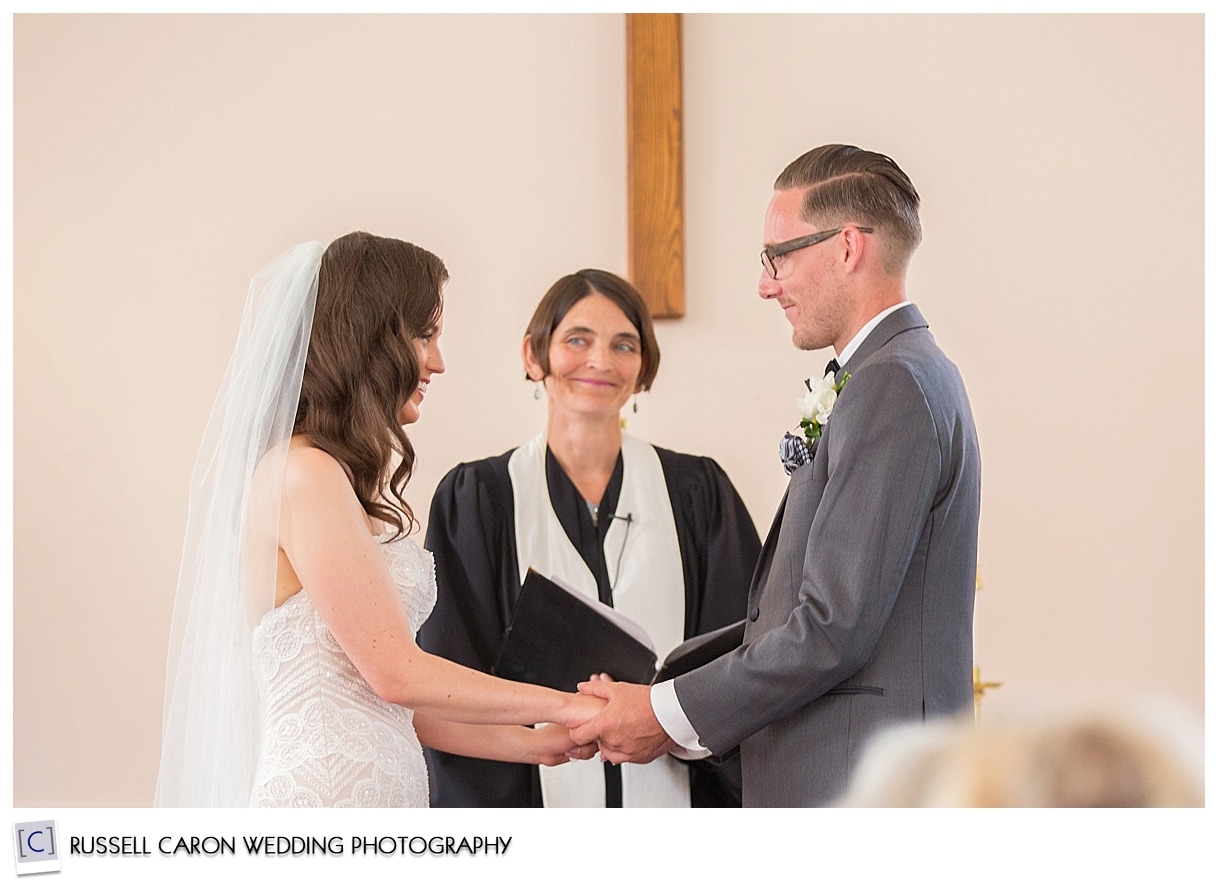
(558, 637)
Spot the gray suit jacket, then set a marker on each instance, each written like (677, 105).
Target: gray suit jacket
(861, 607)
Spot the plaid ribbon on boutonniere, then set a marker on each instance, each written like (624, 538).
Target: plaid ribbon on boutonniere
(814, 408)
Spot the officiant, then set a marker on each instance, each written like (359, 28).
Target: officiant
(662, 536)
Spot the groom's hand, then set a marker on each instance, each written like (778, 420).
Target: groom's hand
(627, 729)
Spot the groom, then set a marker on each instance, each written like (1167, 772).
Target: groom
(861, 609)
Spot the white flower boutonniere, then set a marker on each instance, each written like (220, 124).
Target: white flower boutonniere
(817, 404)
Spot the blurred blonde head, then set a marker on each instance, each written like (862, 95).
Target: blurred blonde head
(1103, 758)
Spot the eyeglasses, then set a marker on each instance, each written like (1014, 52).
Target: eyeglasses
(770, 252)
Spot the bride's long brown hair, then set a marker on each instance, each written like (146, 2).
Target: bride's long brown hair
(374, 297)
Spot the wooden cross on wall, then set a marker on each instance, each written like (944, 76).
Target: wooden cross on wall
(654, 165)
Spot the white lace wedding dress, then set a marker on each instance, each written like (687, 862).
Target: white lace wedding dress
(327, 738)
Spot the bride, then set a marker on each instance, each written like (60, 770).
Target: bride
(294, 676)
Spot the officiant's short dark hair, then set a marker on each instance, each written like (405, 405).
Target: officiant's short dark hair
(568, 291)
(849, 185)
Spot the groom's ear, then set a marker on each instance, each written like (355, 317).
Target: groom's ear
(853, 244)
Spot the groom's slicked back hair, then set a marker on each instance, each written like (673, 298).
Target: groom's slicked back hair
(848, 185)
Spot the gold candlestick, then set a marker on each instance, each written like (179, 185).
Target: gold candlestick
(979, 688)
(979, 685)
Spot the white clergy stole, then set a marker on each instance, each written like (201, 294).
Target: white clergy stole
(644, 562)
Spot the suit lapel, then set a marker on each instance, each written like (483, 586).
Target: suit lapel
(771, 542)
(903, 319)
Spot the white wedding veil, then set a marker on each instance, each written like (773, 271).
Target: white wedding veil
(209, 741)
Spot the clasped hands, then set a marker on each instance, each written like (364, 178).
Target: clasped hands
(624, 729)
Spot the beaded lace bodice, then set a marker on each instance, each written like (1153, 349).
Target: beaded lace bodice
(327, 738)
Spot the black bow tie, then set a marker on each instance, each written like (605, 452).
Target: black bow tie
(832, 367)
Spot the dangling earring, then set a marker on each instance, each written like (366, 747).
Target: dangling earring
(537, 390)
(634, 403)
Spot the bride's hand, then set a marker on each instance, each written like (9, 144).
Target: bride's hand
(579, 709)
(550, 745)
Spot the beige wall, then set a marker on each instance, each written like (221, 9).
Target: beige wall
(160, 161)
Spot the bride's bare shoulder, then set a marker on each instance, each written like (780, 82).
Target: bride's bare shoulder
(309, 469)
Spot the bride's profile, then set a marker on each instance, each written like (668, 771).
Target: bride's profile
(294, 677)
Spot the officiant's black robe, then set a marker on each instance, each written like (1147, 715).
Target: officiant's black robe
(472, 534)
